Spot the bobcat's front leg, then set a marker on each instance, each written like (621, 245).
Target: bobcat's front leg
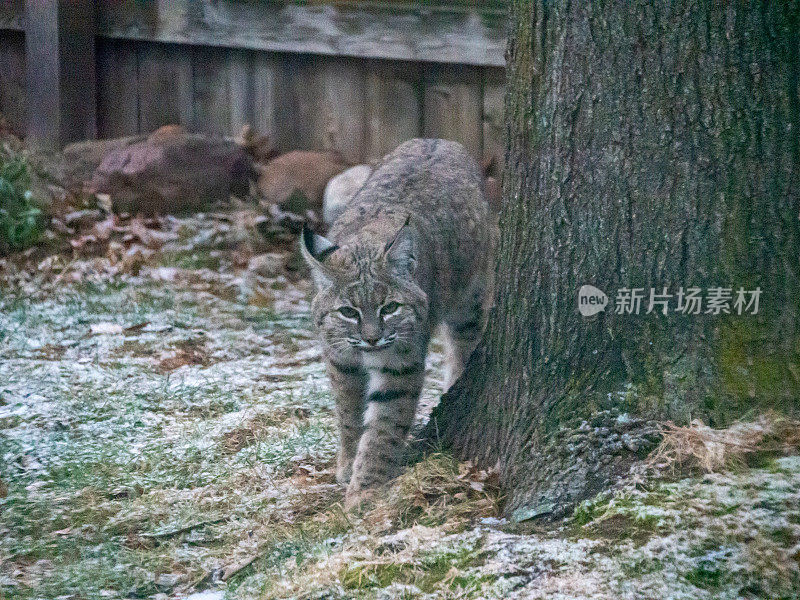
(349, 384)
(391, 405)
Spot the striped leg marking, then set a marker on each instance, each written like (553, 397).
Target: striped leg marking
(391, 405)
(349, 384)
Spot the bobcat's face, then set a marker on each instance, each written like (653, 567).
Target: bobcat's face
(370, 314)
(367, 301)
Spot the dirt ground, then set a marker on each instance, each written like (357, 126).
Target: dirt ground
(166, 431)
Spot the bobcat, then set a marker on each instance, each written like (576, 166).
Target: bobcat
(413, 250)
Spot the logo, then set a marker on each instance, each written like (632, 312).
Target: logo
(591, 300)
(713, 300)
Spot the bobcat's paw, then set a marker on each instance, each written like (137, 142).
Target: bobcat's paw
(356, 499)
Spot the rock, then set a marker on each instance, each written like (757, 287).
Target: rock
(258, 146)
(82, 159)
(171, 172)
(341, 189)
(297, 179)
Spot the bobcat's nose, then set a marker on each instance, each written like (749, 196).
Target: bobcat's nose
(371, 333)
(372, 340)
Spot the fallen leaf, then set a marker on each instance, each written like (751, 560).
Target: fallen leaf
(104, 202)
(164, 273)
(137, 327)
(476, 485)
(103, 229)
(60, 227)
(82, 241)
(82, 217)
(149, 237)
(182, 357)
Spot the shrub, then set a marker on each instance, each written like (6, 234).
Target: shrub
(20, 218)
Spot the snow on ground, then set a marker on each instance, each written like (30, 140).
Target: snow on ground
(166, 431)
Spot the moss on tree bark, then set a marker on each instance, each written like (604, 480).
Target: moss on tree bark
(649, 145)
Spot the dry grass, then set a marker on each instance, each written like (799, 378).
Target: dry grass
(390, 542)
(438, 490)
(700, 446)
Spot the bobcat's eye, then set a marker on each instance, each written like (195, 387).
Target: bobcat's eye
(349, 312)
(389, 309)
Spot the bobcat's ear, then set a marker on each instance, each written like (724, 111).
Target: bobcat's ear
(399, 252)
(314, 249)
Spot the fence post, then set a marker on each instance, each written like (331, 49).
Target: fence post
(60, 71)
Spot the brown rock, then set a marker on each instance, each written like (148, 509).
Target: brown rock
(82, 159)
(172, 171)
(258, 146)
(165, 132)
(298, 178)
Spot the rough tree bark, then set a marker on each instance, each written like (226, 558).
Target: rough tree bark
(648, 145)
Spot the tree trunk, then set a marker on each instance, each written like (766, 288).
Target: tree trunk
(649, 145)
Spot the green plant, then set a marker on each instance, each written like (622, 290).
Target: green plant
(20, 218)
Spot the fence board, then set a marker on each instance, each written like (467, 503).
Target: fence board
(394, 105)
(453, 106)
(410, 31)
(328, 97)
(493, 106)
(117, 89)
(240, 74)
(211, 91)
(11, 14)
(272, 106)
(363, 108)
(60, 71)
(12, 80)
(174, 15)
(165, 86)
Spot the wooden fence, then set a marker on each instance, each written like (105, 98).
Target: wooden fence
(359, 77)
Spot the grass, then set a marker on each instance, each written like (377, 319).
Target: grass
(196, 450)
(619, 517)
(430, 572)
(115, 453)
(706, 576)
(215, 471)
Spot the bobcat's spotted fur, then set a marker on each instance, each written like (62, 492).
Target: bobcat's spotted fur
(411, 251)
